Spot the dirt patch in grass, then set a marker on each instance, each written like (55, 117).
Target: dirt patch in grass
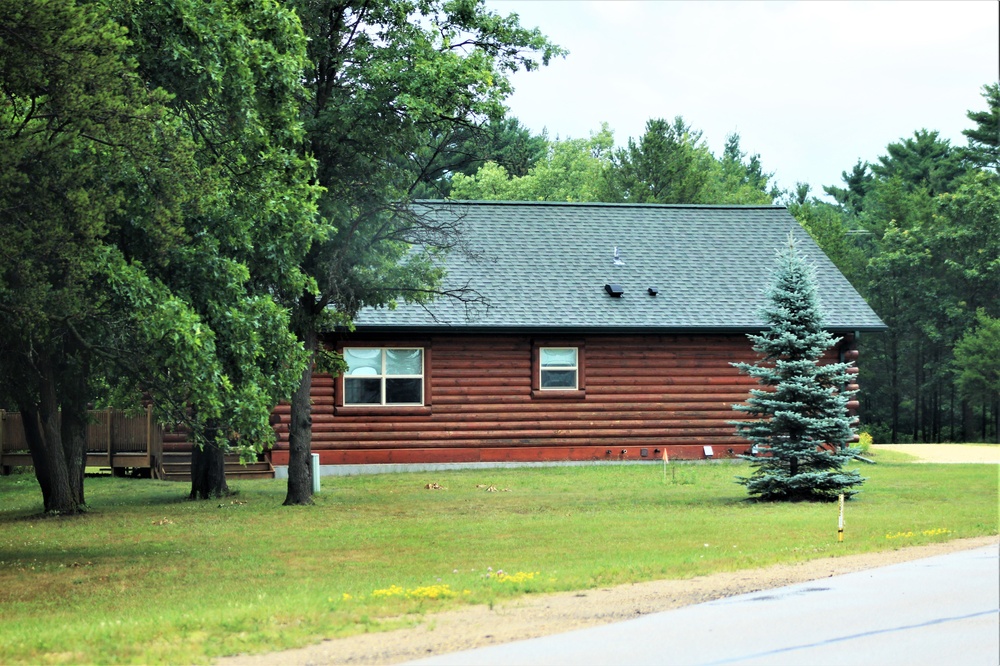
(946, 453)
(532, 616)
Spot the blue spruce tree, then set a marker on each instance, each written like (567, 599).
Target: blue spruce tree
(800, 427)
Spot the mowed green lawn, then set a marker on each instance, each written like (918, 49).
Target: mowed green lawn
(149, 577)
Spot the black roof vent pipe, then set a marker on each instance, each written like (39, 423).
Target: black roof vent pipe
(653, 291)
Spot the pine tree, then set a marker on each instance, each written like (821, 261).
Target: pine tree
(984, 139)
(800, 427)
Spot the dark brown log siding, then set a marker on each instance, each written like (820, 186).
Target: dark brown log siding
(637, 393)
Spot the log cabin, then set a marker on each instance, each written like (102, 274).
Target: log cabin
(603, 332)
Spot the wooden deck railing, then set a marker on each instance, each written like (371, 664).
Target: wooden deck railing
(114, 439)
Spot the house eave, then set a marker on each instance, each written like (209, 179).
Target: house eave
(584, 330)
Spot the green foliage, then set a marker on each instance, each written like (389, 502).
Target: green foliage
(389, 83)
(977, 358)
(278, 577)
(742, 180)
(984, 138)
(570, 170)
(68, 92)
(923, 161)
(669, 164)
(801, 194)
(932, 264)
(234, 79)
(158, 201)
(511, 145)
(858, 181)
(916, 235)
(865, 441)
(74, 117)
(966, 239)
(388, 87)
(801, 414)
(462, 150)
(832, 231)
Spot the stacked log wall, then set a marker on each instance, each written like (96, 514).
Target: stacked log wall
(641, 395)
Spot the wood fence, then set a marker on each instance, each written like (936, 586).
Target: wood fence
(115, 440)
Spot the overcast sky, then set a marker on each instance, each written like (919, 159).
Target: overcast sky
(810, 86)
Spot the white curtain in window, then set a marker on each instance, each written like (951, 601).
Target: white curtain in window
(403, 361)
(558, 358)
(363, 362)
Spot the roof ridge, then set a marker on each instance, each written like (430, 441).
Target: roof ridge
(601, 204)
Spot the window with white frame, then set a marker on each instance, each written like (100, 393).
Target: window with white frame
(558, 368)
(384, 376)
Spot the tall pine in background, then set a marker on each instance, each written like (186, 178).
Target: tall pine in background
(800, 425)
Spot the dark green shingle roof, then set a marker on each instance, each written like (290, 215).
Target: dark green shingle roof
(544, 266)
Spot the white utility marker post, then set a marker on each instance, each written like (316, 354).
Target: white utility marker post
(840, 521)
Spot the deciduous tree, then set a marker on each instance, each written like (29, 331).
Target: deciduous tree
(569, 170)
(462, 150)
(154, 206)
(234, 74)
(72, 106)
(384, 79)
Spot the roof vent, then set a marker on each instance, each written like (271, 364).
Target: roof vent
(653, 291)
(617, 259)
(614, 290)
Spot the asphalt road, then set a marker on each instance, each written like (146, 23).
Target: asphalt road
(936, 611)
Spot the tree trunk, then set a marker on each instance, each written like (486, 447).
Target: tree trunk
(918, 382)
(894, 388)
(36, 445)
(968, 422)
(300, 432)
(937, 412)
(208, 467)
(46, 446)
(986, 417)
(951, 414)
(73, 430)
(996, 419)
